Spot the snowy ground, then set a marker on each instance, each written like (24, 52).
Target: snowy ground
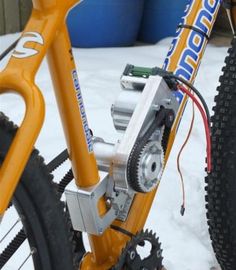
(185, 240)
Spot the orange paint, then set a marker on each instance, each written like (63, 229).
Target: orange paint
(46, 33)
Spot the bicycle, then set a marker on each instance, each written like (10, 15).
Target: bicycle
(107, 209)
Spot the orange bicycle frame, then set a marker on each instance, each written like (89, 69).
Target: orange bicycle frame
(46, 32)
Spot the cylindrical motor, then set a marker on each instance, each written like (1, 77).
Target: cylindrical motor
(133, 82)
(123, 108)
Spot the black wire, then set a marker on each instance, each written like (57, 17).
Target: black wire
(8, 50)
(121, 230)
(194, 89)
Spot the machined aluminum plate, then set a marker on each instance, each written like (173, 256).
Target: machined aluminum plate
(83, 205)
(83, 208)
(155, 94)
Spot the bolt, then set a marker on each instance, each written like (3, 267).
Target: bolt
(159, 253)
(108, 202)
(155, 107)
(132, 255)
(168, 101)
(154, 149)
(121, 207)
(170, 118)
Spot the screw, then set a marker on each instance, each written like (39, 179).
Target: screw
(159, 253)
(108, 202)
(168, 101)
(170, 118)
(132, 255)
(121, 207)
(155, 107)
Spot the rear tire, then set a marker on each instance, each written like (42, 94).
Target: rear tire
(42, 214)
(221, 182)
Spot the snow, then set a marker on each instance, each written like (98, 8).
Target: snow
(185, 240)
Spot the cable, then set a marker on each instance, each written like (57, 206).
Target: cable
(182, 211)
(196, 92)
(121, 230)
(205, 121)
(173, 82)
(8, 50)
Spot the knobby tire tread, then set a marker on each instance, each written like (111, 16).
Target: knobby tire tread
(221, 182)
(45, 219)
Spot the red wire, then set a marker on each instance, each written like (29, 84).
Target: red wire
(205, 121)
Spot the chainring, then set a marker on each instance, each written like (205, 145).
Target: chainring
(130, 259)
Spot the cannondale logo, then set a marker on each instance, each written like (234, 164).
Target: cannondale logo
(21, 51)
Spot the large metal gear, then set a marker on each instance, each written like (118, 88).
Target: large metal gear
(145, 165)
(130, 258)
(146, 160)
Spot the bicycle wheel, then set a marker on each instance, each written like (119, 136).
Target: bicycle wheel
(221, 182)
(45, 224)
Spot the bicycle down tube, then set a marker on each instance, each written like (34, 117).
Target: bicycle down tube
(46, 32)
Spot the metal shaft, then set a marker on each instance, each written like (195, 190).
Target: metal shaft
(104, 153)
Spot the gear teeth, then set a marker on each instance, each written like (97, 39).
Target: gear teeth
(134, 157)
(144, 235)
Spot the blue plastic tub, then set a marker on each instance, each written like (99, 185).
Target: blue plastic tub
(105, 23)
(160, 19)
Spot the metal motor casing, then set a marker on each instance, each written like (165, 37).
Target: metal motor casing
(123, 108)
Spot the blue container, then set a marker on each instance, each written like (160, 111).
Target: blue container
(160, 19)
(105, 23)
